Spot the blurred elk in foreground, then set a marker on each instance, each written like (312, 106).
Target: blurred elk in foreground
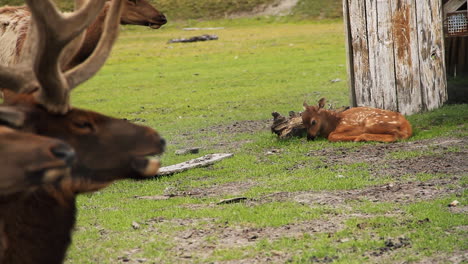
(37, 227)
(355, 124)
(30, 161)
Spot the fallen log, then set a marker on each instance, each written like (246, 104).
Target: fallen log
(193, 163)
(286, 127)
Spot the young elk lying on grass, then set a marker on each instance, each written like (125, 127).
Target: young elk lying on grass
(37, 226)
(355, 124)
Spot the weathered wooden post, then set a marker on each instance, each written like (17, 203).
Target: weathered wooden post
(396, 54)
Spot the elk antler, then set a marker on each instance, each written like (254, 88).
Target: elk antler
(75, 45)
(93, 63)
(49, 35)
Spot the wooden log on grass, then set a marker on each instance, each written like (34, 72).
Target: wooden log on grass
(286, 127)
(194, 163)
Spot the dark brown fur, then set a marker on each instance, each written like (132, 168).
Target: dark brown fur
(26, 165)
(38, 225)
(28, 161)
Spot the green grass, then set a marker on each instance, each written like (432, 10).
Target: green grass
(256, 67)
(318, 9)
(215, 9)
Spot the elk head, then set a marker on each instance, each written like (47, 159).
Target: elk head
(312, 119)
(141, 12)
(30, 161)
(107, 148)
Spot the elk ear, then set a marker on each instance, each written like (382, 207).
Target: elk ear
(10, 116)
(305, 105)
(321, 103)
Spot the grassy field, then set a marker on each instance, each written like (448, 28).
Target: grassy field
(307, 202)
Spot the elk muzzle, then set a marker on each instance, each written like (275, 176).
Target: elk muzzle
(30, 161)
(157, 22)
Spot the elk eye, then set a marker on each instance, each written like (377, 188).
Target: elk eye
(84, 125)
(313, 122)
(133, 1)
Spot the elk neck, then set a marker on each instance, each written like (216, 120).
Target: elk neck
(330, 120)
(93, 34)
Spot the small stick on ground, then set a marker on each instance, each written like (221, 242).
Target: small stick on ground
(232, 200)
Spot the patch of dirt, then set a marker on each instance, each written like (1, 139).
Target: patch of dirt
(221, 142)
(230, 188)
(401, 193)
(391, 245)
(200, 241)
(438, 159)
(248, 126)
(455, 258)
(459, 210)
(277, 8)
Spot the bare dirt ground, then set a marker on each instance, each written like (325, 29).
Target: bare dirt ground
(277, 8)
(444, 156)
(437, 160)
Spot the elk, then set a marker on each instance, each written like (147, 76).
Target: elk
(37, 226)
(15, 20)
(355, 124)
(26, 167)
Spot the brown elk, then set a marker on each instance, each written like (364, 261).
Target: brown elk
(26, 167)
(355, 124)
(14, 23)
(37, 227)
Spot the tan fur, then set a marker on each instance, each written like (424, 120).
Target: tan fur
(14, 23)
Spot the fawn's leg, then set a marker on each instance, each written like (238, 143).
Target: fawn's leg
(335, 137)
(377, 137)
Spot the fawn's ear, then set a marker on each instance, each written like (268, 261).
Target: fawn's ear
(321, 103)
(305, 105)
(11, 117)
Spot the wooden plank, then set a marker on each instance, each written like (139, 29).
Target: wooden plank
(194, 163)
(462, 63)
(349, 53)
(381, 59)
(360, 59)
(453, 5)
(431, 54)
(406, 50)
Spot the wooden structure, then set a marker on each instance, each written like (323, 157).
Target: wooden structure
(456, 37)
(396, 54)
